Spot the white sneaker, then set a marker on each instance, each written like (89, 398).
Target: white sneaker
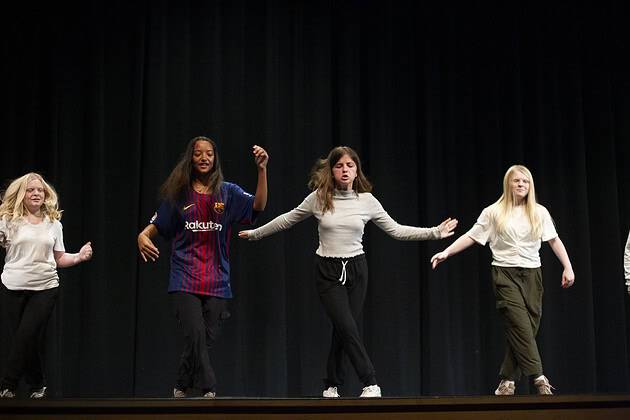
(372, 391)
(210, 394)
(543, 385)
(178, 393)
(505, 387)
(330, 392)
(7, 393)
(39, 393)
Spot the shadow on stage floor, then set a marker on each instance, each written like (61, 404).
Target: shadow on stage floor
(600, 407)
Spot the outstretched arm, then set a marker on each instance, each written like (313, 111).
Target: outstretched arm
(64, 259)
(567, 274)
(148, 251)
(459, 245)
(413, 233)
(261, 157)
(383, 220)
(284, 221)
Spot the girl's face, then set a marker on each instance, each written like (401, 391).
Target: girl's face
(203, 157)
(519, 183)
(344, 172)
(35, 195)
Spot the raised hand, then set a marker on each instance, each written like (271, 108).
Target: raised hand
(260, 156)
(447, 227)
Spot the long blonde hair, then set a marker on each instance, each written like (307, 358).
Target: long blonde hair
(12, 207)
(323, 182)
(506, 203)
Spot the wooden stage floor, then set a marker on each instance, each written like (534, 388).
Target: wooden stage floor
(574, 407)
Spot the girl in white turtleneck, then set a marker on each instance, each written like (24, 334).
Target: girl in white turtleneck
(342, 203)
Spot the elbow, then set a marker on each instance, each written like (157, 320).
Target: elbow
(59, 258)
(259, 205)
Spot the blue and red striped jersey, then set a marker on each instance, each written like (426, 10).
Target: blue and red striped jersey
(200, 227)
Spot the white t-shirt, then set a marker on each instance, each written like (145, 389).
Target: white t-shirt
(30, 262)
(516, 247)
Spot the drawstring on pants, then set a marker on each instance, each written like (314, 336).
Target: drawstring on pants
(343, 276)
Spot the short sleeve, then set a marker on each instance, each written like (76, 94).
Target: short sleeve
(483, 229)
(57, 231)
(548, 228)
(242, 206)
(3, 232)
(165, 219)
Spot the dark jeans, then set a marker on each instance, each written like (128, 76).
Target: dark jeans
(25, 315)
(343, 304)
(200, 318)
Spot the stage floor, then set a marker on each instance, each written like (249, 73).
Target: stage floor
(600, 407)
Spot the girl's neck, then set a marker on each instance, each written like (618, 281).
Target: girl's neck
(344, 188)
(34, 217)
(201, 185)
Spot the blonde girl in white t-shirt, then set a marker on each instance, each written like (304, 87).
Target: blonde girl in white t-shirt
(514, 226)
(33, 237)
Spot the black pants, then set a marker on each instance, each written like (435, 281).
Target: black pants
(200, 318)
(25, 315)
(342, 292)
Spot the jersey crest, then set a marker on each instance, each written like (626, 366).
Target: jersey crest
(219, 207)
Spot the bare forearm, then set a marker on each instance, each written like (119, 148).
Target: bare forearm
(260, 200)
(64, 259)
(459, 245)
(68, 260)
(150, 231)
(558, 248)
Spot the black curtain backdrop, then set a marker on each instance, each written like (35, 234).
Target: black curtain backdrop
(439, 100)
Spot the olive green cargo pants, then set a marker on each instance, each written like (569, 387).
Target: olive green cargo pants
(518, 293)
